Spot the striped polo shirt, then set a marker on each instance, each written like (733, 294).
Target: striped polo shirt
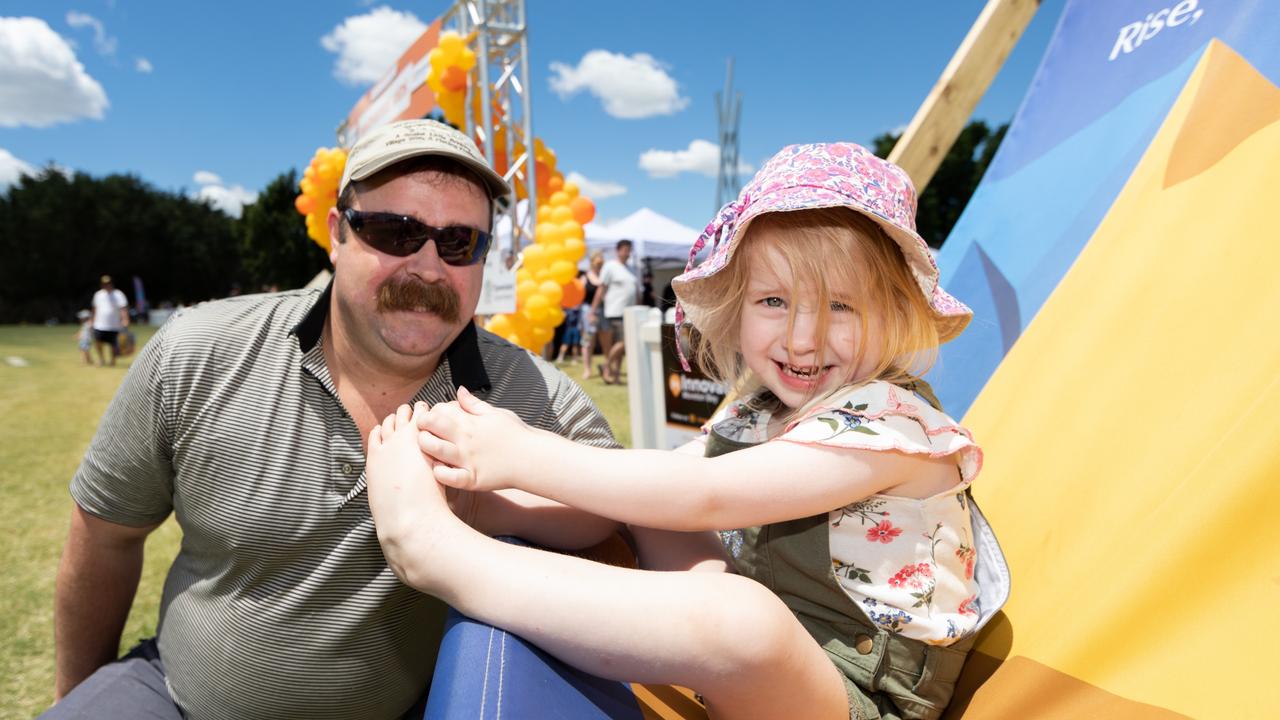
(280, 603)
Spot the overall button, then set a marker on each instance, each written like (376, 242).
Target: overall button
(346, 468)
(863, 644)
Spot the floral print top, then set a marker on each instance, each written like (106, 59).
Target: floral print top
(907, 562)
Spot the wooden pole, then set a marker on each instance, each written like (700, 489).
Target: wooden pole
(945, 111)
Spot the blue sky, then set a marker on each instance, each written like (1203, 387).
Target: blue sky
(219, 98)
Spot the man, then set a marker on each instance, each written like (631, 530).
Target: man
(110, 316)
(246, 418)
(619, 290)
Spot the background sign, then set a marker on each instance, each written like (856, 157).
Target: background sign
(690, 398)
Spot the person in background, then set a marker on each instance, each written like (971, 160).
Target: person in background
(646, 288)
(110, 316)
(571, 336)
(591, 320)
(84, 336)
(619, 290)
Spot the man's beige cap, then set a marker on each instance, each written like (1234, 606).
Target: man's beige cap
(398, 141)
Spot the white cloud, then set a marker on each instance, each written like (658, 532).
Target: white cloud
(41, 81)
(104, 43)
(204, 177)
(368, 45)
(700, 157)
(596, 189)
(11, 168)
(630, 87)
(143, 65)
(230, 200)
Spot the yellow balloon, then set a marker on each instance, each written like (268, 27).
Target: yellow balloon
(542, 275)
(535, 259)
(526, 289)
(572, 229)
(555, 251)
(500, 325)
(554, 317)
(540, 336)
(561, 214)
(536, 308)
(571, 189)
(468, 59)
(523, 274)
(547, 233)
(575, 249)
(544, 213)
(559, 198)
(451, 47)
(553, 292)
(562, 271)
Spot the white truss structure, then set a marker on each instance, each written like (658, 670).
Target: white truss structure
(501, 76)
(728, 113)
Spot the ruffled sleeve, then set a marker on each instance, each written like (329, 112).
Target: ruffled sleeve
(882, 416)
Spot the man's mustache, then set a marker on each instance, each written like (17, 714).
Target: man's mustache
(416, 296)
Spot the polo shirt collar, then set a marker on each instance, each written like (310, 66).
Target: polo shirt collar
(463, 354)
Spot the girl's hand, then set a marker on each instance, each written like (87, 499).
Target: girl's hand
(476, 446)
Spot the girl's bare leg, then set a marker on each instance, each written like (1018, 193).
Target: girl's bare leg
(722, 635)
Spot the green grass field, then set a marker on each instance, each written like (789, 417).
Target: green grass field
(50, 404)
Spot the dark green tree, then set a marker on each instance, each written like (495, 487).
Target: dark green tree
(274, 248)
(957, 177)
(59, 232)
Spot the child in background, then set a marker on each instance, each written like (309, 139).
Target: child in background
(84, 336)
(864, 569)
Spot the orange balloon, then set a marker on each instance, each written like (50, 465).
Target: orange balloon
(583, 209)
(304, 204)
(575, 292)
(543, 175)
(555, 184)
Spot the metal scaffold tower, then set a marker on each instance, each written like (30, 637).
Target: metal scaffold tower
(501, 37)
(728, 112)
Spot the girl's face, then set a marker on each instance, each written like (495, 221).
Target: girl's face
(789, 364)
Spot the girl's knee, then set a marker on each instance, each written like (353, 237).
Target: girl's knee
(751, 628)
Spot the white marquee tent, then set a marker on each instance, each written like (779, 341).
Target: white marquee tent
(662, 241)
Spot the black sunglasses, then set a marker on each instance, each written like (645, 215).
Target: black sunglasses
(402, 236)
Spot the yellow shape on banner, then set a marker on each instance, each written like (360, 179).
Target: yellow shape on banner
(1133, 452)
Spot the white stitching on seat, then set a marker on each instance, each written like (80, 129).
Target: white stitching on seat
(484, 689)
(502, 671)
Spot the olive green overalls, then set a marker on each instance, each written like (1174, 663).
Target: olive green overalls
(886, 675)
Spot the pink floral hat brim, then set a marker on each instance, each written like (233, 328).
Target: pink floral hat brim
(809, 177)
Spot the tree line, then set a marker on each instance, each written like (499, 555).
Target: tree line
(957, 177)
(59, 233)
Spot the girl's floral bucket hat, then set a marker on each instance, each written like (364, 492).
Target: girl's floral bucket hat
(808, 177)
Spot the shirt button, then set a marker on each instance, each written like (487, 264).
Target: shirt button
(863, 644)
(346, 468)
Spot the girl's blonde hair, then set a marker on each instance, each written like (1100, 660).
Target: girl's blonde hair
(833, 255)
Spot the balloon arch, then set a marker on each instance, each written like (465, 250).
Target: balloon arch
(546, 282)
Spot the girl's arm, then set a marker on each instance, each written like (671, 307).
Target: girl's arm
(490, 448)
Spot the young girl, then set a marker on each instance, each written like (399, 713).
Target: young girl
(865, 568)
(84, 336)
